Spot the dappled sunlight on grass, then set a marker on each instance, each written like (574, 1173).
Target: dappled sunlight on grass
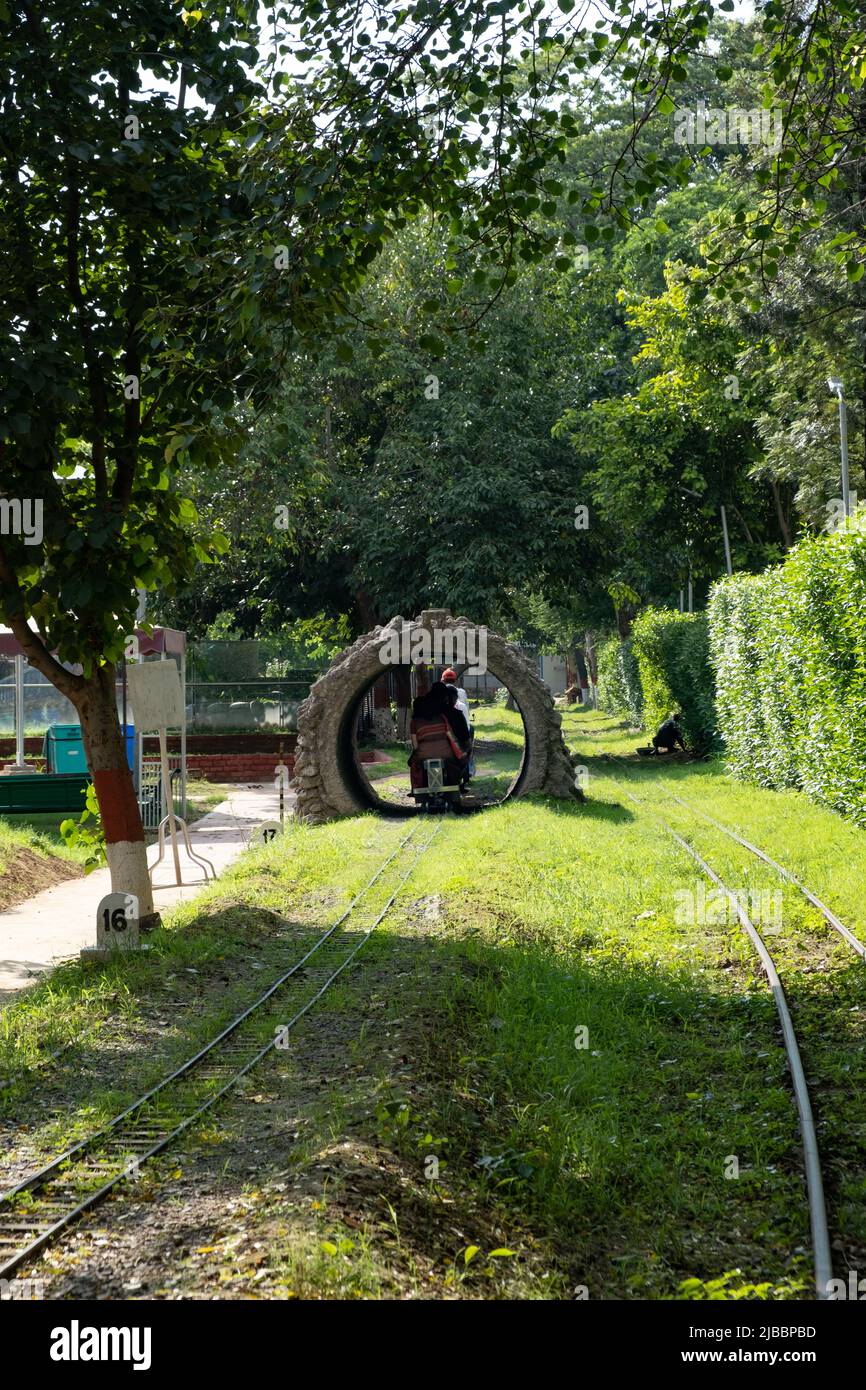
(585, 1057)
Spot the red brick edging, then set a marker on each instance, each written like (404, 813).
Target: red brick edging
(242, 767)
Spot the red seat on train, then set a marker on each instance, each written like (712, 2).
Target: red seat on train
(434, 739)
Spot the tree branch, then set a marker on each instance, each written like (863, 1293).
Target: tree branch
(33, 644)
(95, 378)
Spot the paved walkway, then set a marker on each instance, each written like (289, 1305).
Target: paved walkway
(55, 924)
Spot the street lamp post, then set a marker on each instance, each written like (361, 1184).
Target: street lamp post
(838, 390)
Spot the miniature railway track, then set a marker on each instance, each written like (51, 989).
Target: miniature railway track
(827, 913)
(822, 1259)
(51, 1199)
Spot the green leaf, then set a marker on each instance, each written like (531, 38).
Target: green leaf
(428, 342)
(469, 1253)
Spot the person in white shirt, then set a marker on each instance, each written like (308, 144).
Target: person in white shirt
(449, 678)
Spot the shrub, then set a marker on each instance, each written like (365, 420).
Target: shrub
(672, 651)
(789, 651)
(619, 689)
(78, 834)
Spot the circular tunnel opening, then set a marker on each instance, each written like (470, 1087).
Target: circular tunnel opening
(377, 776)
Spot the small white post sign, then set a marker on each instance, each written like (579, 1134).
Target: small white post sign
(117, 922)
(156, 696)
(281, 781)
(157, 705)
(266, 832)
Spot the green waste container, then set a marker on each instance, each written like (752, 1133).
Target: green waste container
(64, 748)
(26, 793)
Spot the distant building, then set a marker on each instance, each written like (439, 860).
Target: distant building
(554, 673)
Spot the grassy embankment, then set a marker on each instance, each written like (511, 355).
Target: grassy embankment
(33, 855)
(537, 1017)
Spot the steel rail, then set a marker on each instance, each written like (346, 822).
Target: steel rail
(43, 1176)
(827, 913)
(81, 1147)
(823, 1264)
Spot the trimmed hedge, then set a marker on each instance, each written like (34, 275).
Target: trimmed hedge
(673, 657)
(619, 689)
(789, 651)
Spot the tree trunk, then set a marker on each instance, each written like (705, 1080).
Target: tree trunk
(582, 678)
(624, 620)
(745, 525)
(94, 699)
(383, 723)
(422, 679)
(121, 818)
(780, 514)
(366, 609)
(589, 650)
(403, 692)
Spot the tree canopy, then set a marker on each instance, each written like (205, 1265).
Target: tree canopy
(236, 243)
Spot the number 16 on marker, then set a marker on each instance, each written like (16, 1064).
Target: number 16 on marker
(117, 921)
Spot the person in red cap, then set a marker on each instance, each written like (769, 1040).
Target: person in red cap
(449, 677)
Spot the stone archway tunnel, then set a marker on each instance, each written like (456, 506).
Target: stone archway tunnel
(326, 777)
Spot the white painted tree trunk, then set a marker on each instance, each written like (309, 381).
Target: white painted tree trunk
(104, 745)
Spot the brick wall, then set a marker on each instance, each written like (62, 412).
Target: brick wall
(239, 767)
(217, 767)
(251, 767)
(235, 767)
(195, 743)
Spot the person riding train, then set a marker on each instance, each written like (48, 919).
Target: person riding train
(449, 678)
(438, 730)
(459, 698)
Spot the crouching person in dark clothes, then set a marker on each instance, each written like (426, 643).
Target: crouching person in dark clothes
(669, 736)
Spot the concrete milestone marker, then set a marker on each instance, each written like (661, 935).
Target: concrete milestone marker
(116, 927)
(266, 832)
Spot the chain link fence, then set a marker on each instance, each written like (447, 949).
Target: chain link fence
(241, 686)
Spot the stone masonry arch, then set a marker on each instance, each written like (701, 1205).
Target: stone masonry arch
(326, 779)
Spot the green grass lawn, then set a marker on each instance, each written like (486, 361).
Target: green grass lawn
(600, 1081)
